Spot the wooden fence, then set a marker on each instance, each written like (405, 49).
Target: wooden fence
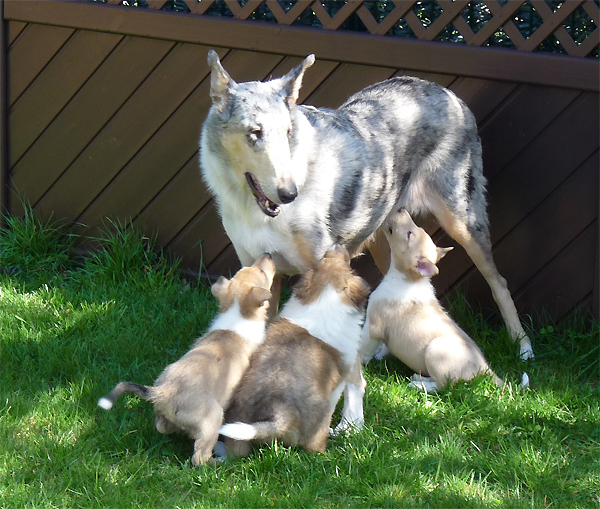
(102, 107)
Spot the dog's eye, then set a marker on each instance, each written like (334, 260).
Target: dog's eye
(391, 231)
(409, 235)
(289, 132)
(254, 135)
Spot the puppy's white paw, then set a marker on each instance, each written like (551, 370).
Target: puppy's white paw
(220, 451)
(347, 428)
(382, 351)
(423, 385)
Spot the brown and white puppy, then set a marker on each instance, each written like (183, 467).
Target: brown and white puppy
(190, 395)
(405, 315)
(296, 376)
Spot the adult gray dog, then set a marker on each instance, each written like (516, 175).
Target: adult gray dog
(293, 180)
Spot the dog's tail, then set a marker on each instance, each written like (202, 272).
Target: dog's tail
(281, 424)
(143, 391)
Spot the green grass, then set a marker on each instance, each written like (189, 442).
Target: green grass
(70, 328)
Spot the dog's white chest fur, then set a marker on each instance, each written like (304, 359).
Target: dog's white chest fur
(395, 287)
(232, 319)
(329, 319)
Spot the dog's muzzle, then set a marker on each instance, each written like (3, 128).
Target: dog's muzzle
(269, 207)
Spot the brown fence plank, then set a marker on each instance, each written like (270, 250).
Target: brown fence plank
(394, 52)
(482, 96)
(566, 144)
(55, 86)
(82, 119)
(14, 30)
(176, 204)
(36, 46)
(442, 79)
(131, 127)
(313, 77)
(563, 146)
(4, 139)
(346, 80)
(171, 146)
(564, 282)
(546, 231)
(226, 264)
(202, 240)
(518, 121)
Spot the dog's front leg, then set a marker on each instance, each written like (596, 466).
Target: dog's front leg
(352, 415)
(380, 251)
(275, 296)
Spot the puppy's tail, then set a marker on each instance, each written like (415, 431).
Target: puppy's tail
(107, 401)
(262, 430)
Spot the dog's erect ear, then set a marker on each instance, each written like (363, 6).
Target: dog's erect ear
(220, 82)
(442, 251)
(292, 81)
(219, 289)
(259, 295)
(426, 268)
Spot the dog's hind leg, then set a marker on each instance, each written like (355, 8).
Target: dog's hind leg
(476, 241)
(203, 425)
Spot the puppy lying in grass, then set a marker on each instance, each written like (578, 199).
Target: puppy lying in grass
(296, 376)
(191, 394)
(405, 315)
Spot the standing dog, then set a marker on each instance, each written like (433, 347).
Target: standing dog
(405, 315)
(296, 376)
(191, 394)
(293, 180)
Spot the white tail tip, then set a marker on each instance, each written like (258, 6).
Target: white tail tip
(105, 403)
(238, 431)
(525, 381)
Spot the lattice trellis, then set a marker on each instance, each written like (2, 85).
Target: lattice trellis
(410, 17)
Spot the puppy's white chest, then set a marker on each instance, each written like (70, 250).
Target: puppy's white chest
(395, 287)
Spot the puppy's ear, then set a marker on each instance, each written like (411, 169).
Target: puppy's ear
(426, 268)
(219, 289)
(220, 82)
(442, 251)
(259, 295)
(292, 81)
(358, 291)
(338, 251)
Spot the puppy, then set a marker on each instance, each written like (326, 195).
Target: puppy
(296, 376)
(405, 315)
(191, 394)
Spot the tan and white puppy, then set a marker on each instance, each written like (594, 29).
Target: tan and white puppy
(296, 376)
(405, 315)
(191, 394)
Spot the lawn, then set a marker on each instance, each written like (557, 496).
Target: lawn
(71, 327)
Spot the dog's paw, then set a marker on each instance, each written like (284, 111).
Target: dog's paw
(525, 381)
(220, 451)
(423, 383)
(526, 351)
(382, 351)
(347, 428)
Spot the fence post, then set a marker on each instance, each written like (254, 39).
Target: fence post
(4, 142)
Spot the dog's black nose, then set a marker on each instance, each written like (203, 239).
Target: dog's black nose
(287, 195)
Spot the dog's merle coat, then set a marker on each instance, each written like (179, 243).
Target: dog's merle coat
(293, 180)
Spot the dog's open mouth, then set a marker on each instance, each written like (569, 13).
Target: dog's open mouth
(270, 208)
